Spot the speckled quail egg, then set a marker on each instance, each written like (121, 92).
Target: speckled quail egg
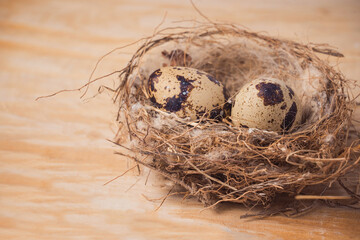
(267, 104)
(188, 92)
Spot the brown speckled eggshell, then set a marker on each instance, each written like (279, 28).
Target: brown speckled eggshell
(185, 91)
(267, 104)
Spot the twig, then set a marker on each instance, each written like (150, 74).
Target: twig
(120, 175)
(307, 197)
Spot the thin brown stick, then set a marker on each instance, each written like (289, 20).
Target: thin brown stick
(311, 197)
(78, 89)
(119, 175)
(162, 202)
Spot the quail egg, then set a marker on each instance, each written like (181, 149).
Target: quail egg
(267, 104)
(188, 92)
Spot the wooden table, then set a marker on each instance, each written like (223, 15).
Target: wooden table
(54, 156)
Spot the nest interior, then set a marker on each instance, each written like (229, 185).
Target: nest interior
(216, 161)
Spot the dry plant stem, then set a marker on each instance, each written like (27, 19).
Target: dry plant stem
(217, 162)
(128, 170)
(303, 197)
(91, 81)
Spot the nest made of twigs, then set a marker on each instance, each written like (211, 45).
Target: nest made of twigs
(214, 160)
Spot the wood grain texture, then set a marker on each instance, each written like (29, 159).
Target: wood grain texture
(54, 157)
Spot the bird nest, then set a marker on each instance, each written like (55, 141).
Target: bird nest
(216, 161)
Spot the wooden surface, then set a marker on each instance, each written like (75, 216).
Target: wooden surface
(54, 157)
